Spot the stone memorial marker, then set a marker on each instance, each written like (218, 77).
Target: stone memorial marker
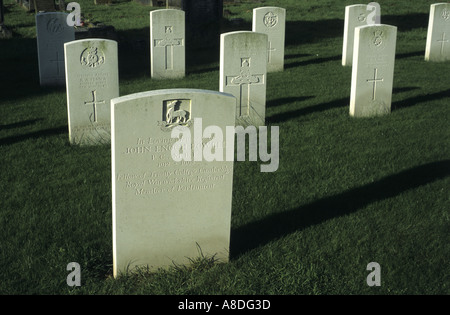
(167, 44)
(203, 20)
(52, 32)
(165, 211)
(355, 15)
(92, 80)
(373, 70)
(243, 72)
(272, 21)
(438, 36)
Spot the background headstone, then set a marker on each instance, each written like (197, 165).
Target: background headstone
(52, 32)
(438, 36)
(203, 20)
(355, 15)
(45, 6)
(243, 73)
(167, 44)
(165, 211)
(373, 70)
(272, 21)
(92, 80)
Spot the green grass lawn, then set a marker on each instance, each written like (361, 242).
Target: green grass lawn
(347, 192)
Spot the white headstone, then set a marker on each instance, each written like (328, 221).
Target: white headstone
(167, 44)
(52, 32)
(373, 70)
(272, 21)
(243, 73)
(438, 36)
(165, 211)
(357, 15)
(92, 80)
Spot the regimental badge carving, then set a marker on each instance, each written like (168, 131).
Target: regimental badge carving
(169, 29)
(446, 14)
(378, 40)
(362, 17)
(92, 57)
(270, 19)
(176, 113)
(54, 26)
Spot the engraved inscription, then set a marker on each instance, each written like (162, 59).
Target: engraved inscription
(270, 19)
(92, 57)
(166, 175)
(89, 80)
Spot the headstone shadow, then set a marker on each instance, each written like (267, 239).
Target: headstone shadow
(275, 226)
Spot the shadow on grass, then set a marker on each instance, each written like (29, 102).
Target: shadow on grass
(20, 124)
(34, 135)
(277, 118)
(286, 100)
(275, 226)
(420, 99)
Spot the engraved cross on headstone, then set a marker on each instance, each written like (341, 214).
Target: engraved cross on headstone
(94, 103)
(244, 80)
(442, 41)
(374, 81)
(270, 49)
(58, 61)
(168, 44)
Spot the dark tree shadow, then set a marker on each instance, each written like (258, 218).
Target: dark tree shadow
(275, 226)
(34, 135)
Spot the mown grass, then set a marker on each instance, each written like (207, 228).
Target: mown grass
(347, 192)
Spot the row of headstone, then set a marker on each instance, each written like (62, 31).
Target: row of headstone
(370, 50)
(157, 219)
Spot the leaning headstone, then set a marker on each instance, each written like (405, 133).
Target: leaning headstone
(167, 44)
(373, 70)
(203, 20)
(243, 73)
(44, 6)
(52, 32)
(166, 211)
(92, 80)
(438, 36)
(272, 21)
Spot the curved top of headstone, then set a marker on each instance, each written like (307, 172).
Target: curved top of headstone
(167, 11)
(174, 92)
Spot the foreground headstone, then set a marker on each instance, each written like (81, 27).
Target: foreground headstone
(166, 212)
(52, 32)
(272, 21)
(373, 70)
(438, 36)
(92, 80)
(167, 44)
(243, 72)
